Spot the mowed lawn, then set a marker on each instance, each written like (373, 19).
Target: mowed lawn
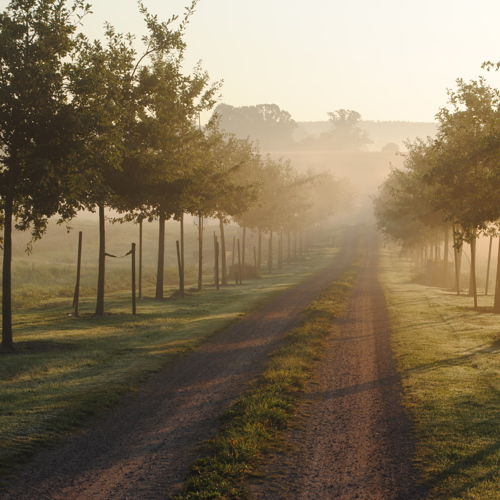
(449, 357)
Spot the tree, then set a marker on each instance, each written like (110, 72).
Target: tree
(142, 126)
(271, 126)
(37, 124)
(230, 187)
(344, 132)
(102, 89)
(464, 160)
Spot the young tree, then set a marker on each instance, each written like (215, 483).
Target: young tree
(464, 160)
(37, 124)
(141, 125)
(102, 89)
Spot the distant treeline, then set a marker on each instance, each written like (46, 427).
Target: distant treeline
(380, 132)
(276, 130)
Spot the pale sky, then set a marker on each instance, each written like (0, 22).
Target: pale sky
(388, 60)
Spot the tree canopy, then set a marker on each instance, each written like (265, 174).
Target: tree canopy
(267, 124)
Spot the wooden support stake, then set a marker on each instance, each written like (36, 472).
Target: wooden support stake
(179, 264)
(239, 263)
(134, 303)
(140, 259)
(76, 297)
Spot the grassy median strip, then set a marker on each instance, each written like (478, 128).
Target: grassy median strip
(449, 358)
(250, 428)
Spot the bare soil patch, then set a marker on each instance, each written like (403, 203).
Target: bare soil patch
(142, 450)
(352, 439)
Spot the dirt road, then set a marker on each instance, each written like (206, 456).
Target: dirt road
(353, 441)
(143, 449)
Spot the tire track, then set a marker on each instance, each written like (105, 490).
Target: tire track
(354, 441)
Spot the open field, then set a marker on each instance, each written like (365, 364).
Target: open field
(68, 368)
(49, 271)
(449, 358)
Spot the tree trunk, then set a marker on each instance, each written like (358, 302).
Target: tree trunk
(270, 256)
(259, 251)
(445, 257)
(161, 256)
(223, 252)
(183, 275)
(289, 255)
(473, 270)
(239, 264)
(496, 303)
(295, 247)
(233, 257)
(99, 309)
(458, 262)
(280, 251)
(488, 266)
(243, 252)
(7, 338)
(76, 299)
(200, 252)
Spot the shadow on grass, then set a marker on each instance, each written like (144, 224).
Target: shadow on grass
(460, 468)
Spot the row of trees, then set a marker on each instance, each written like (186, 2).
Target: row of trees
(96, 125)
(449, 184)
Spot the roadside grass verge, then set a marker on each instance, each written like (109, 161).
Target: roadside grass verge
(66, 369)
(251, 427)
(449, 359)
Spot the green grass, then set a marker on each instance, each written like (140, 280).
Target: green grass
(251, 427)
(67, 369)
(449, 357)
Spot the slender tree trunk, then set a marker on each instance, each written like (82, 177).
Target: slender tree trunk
(445, 256)
(295, 247)
(179, 265)
(270, 256)
(496, 303)
(160, 269)
(473, 270)
(488, 266)
(183, 274)
(239, 264)
(134, 303)
(289, 255)
(200, 252)
(223, 251)
(76, 299)
(7, 338)
(458, 262)
(216, 262)
(99, 309)
(243, 250)
(259, 251)
(234, 257)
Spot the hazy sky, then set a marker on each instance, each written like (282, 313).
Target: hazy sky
(388, 60)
